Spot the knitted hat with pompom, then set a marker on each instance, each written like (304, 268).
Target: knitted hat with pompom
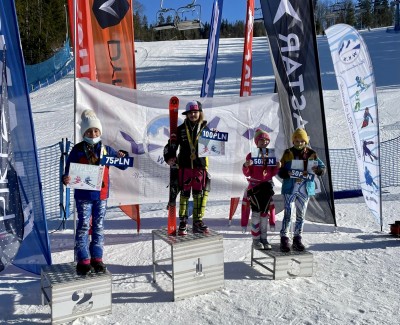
(260, 134)
(90, 120)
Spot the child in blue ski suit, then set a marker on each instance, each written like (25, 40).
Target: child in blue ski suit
(90, 204)
(297, 190)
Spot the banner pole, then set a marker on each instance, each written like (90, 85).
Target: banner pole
(76, 66)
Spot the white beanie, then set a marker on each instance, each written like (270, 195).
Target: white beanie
(89, 120)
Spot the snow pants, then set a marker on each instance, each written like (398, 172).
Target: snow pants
(300, 199)
(95, 210)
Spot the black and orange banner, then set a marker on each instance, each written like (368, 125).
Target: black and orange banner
(113, 41)
(103, 39)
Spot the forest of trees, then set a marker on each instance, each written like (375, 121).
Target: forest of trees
(43, 24)
(42, 28)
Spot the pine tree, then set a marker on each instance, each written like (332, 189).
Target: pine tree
(43, 29)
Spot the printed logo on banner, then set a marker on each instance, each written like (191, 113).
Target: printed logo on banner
(156, 137)
(109, 13)
(12, 221)
(249, 134)
(349, 49)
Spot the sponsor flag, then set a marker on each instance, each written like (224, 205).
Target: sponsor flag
(133, 212)
(292, 40)
(71, 19)
(245, 83)
(245, 86)
(356, 82)
(210, 67)
(23, 230)
(112, 30)
(83, 42)
(71, 11)
(108, 27)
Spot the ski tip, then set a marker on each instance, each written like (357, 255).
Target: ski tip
(174, 100)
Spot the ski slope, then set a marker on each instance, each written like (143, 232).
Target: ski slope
(356, 267)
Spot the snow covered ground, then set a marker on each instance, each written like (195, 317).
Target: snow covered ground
(356, 266)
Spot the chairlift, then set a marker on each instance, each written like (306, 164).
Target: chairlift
(186, 24)
(166, 18)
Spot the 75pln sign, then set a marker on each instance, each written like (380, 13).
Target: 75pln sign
(117, 161)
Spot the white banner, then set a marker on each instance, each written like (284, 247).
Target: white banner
(356, 82)
(138, 122)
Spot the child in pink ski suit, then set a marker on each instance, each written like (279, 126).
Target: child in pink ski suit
(260, 189)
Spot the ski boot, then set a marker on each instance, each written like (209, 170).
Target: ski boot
(84, 269)
(199, 227)
(266, 245)
(182, 229)
(285, 247)
(297, 244)
(98, 266)
(257, 244)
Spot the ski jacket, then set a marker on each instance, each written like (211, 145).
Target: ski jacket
(78, 155)
(258, 174)
(294, 154)
(184, 160)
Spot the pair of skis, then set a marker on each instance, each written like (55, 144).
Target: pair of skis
(174, 171)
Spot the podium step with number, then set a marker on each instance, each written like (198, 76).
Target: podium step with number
(71, 296)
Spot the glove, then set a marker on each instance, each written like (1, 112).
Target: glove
(283, 173)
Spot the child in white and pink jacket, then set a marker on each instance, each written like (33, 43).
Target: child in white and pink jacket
(260, 189)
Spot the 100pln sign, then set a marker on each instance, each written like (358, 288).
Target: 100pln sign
(86, 177)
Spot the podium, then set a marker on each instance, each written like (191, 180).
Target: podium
(71, 296)
(197, 262)
(283, 265)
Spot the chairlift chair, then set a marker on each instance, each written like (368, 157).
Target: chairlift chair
(162, 15)
(195, 23)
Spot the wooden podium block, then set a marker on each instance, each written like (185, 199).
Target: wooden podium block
(197, 262)
(284, 265)
(71, 296)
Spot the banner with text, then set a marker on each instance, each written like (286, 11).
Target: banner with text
(356, 82)
(23, 228)
(112, 29)
(292, 40)
(139, 124)
(210, 67)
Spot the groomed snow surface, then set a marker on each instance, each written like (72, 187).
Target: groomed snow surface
(356, 266)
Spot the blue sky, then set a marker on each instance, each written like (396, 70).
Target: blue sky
(232, 9)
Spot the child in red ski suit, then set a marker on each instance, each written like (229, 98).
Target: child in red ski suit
(260, 189)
